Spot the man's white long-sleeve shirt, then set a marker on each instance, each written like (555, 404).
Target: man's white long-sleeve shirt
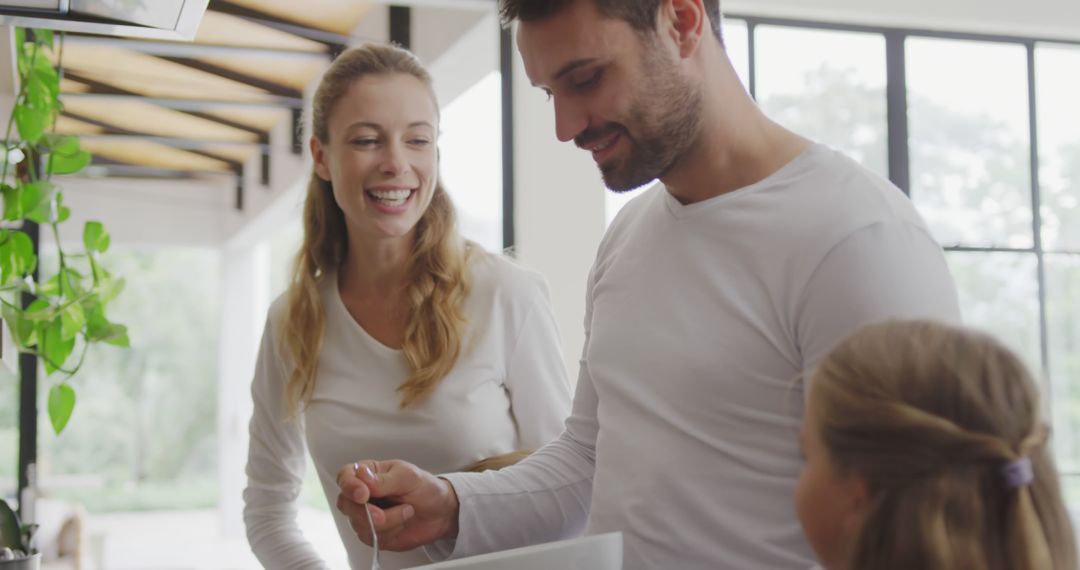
(701, 320)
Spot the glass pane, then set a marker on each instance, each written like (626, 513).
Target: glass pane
(1056, 69)
(471, 160)
(1063, 342)
(828, 86)
(143, 435)
(969, 141)
(999, 293)
(737, 44)
(1070, 487)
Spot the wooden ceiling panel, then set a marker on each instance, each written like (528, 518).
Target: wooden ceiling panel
(143, 153)
(294, 73)
(237, 153)
(69, 86)
(154, 77)
(69, 126)
(338, 16)
(264, 119)
(151, 119)
(135, 93)
(221, 29)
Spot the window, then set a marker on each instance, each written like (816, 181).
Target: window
(969, 141)
(826, 85)
(1059, 145)
(1059, 191)
(971, 178)
(143, 433)
(471, 144)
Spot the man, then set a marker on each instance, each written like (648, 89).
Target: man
(709, 300)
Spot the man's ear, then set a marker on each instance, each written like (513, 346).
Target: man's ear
(318, 156)
(685, 22)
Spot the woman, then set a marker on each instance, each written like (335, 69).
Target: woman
(925, 449)
(396, 337)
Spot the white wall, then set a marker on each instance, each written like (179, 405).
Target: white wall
(559, 209)
(159, 212)
(244, 300)
(1058, 19)
(435, 30)
(457, 65)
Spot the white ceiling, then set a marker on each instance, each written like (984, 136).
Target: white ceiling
(1054, 19)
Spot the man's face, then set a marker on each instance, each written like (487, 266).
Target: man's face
(618, 92)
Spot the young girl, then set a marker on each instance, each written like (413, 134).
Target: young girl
(925, 450)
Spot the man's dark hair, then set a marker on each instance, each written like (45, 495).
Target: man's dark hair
(640, 14)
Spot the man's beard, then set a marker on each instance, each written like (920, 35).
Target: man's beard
(667, 121)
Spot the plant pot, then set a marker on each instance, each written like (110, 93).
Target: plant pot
(32, 562)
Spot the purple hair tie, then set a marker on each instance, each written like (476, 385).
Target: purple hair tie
(1018, 473)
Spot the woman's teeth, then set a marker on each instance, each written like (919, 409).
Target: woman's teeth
(391, 197)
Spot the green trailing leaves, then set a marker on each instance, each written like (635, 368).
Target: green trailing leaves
(20, 201)
(17, 257)
(110, 288)
(9, 527)
(61, 404)
(66, 156)
(55, 349)
(68, 309)
(31, 122)
(23, 330)
(72, 320)
(95, 238)
(100, 329)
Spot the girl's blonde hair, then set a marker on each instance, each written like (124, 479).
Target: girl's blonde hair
(438, 266)
(929, 415)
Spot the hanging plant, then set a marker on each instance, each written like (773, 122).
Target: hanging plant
(63, 316)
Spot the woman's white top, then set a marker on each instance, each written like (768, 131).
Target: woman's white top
(508, 390)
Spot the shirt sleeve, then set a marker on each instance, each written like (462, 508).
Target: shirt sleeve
(544, 498)
(536, 377)
(887, 270)
(275, 470)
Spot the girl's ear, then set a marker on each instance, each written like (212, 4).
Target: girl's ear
(318, 156)
(858, 495)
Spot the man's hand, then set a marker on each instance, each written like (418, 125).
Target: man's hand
(409, 506)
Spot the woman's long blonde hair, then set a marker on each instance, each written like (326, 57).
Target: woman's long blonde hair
(929, 415)
(438, 266)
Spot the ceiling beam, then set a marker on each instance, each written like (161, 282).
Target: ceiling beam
(278, 104)
(175, 142)
(335, 43)
(185, 49)
(270, 87)
(234, 165)
(99, 88)
(120, 169)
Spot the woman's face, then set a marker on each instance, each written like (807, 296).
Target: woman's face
(381, 157)
(829, 503)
